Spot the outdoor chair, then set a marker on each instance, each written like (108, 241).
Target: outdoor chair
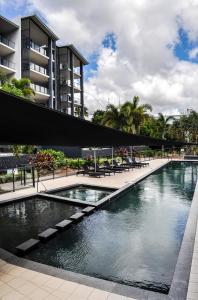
(87, 171)
(112, 168)
(97, 168)
(139, 162)
(131, 163)
(125, 168)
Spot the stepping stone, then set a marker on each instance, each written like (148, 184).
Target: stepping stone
(77, 216)
(88, 209)
(27, 246)
(47, 234)
(63, 224)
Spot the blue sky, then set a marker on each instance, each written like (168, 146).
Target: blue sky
(145, 36)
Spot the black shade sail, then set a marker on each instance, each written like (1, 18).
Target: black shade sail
(26, 123)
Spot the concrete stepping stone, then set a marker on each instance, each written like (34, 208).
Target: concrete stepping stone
(47, 234)
(77, 216)
(63, 224)
(88, 209)
(27, 246)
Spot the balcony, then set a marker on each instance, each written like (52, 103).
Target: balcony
(7, 66)
(67, 84)
(41, 92)
(38, 54)
(6, 46)
(38, 73)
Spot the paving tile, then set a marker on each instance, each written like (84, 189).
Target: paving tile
(193, 287)
(16, 271)
(193, 277)
(51, 297)
(83, 291)
(115, 297)
(61, 295)
(29, 274)
(98, 295)
(2, 262)
(68, 287)
(17, 282)
(5, 277)
(40, 279)
(39, 294)
(4, 290)
(14, 295)
(53, 282)
(6, 268)
(192, 296)
(27, 288)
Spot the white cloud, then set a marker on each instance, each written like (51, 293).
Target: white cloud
(143, 63)
(193, 53)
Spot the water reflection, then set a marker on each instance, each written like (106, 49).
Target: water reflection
(135, 239)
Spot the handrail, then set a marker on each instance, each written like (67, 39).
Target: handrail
(7, 63)
(37, 48)
(38, 68)
(7, 42)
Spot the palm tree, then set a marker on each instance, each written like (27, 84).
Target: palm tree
(113, 117)
(163, 124)
(135, 114)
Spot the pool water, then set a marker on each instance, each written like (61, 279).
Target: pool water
(84, 193)
(23, 220)
(133, 240)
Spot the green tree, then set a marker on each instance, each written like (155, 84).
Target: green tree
(78, 111)
(98, 117)
(163, 124)
(113, 117)
(135, 114)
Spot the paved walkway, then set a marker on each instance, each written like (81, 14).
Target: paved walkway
(114, 181)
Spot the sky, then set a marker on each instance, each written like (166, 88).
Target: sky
(134, 47)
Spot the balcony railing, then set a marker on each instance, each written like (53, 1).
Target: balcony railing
(7, 63)
(38, 48)
(77, 71)
(65, 82)
(39, 89)
(7, 42)
(38, 68)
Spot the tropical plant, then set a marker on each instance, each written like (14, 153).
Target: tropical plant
(113, 117)
(98, 117)
(78, 111)
(58, 156)
(19, 87)
(135, 114)
(163, 124)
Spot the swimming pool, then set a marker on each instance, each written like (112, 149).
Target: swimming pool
(133, 240)
(24, 219)
(83, 193)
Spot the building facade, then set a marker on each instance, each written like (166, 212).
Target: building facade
(28, 49)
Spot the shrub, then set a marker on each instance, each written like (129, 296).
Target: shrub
(58, 156)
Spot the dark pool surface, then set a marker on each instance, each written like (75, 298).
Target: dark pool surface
(23, 220)
(134, 240)
(84, 193)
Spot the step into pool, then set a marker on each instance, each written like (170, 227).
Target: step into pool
(24, 219)
(83, 193)
(133, 240)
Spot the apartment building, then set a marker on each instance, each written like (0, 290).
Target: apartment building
(29, 49)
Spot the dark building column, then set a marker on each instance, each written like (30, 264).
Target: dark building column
(72, 82)
(82, 91)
